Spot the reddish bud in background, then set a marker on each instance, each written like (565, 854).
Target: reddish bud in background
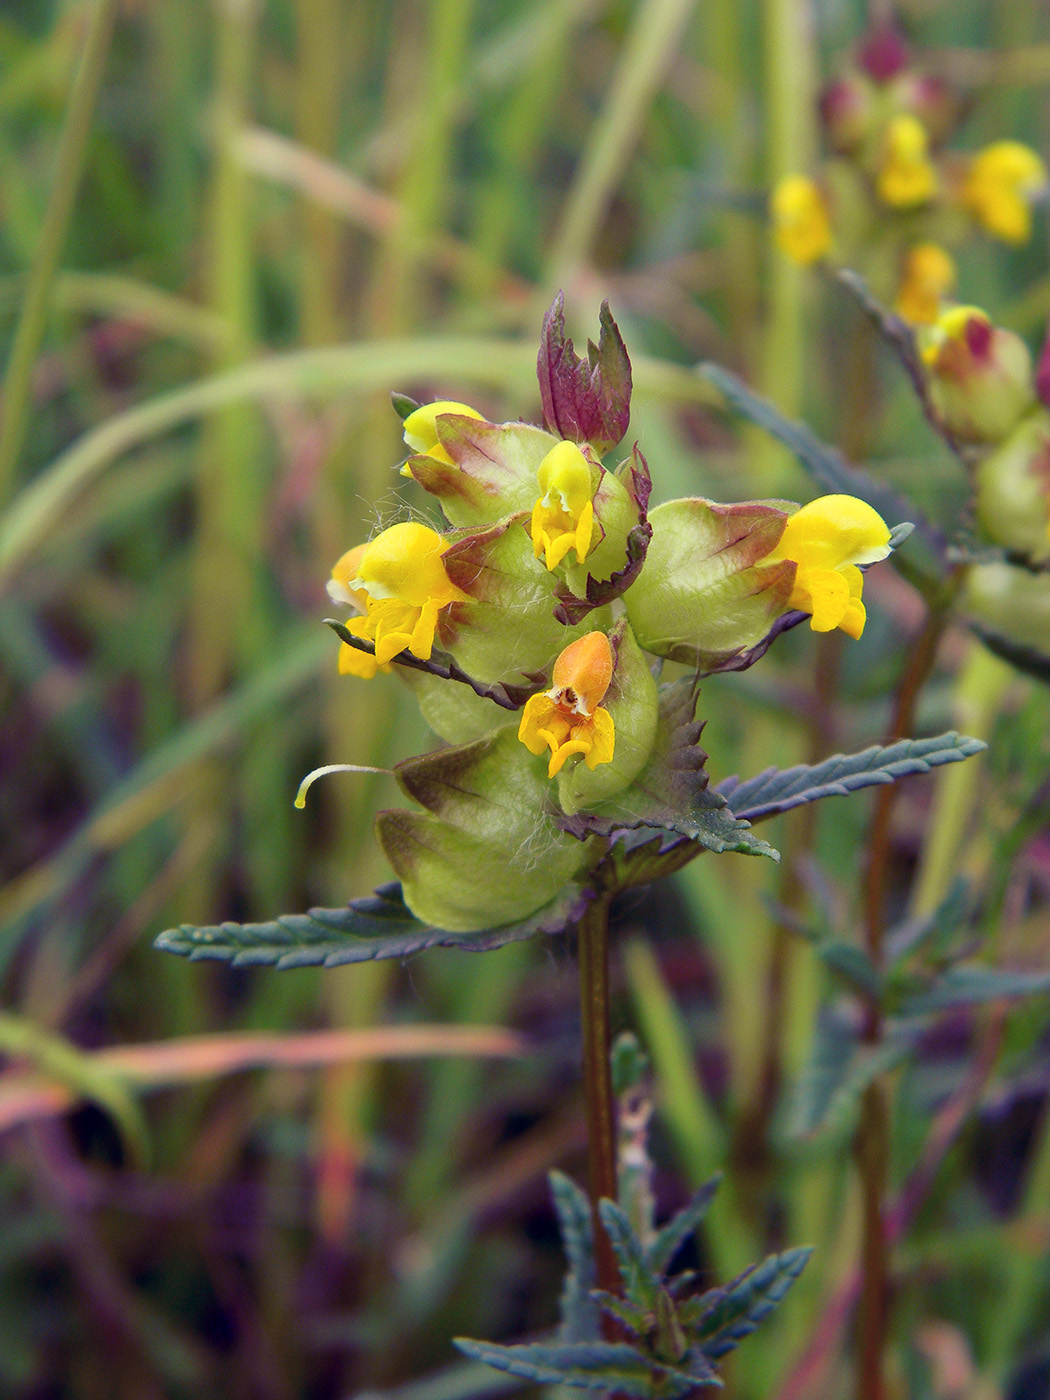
(584, 400)
(1042, 374)
(884, 52)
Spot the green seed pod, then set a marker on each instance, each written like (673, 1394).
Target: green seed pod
(1013, 489)
(486, 851)
(703, 596)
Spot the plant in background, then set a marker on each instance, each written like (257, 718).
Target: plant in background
(534, 627)
(893, 198)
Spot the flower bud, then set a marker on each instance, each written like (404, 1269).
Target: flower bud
(999, 186)
(849, 109)
(980, 375)
(1013, 489)
(486, 850)
(883, 53)
(584, 400)
(1012, 602)
(801, 220)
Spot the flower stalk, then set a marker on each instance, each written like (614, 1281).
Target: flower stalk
(592, 941)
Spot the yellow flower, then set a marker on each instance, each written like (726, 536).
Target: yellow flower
(801, 224)
(569, 717)
(928, 276)
(421, 428)
(827, 540)
(906, 177)
(399, 584)
(563, 517)
(1001, 180)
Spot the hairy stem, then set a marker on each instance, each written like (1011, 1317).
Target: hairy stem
(593, 944)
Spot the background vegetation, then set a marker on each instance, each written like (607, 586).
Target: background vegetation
(228, 230)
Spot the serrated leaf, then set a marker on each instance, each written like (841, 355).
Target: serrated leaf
(746, 1302)
(824, 463)
(640, 1284)
(684, 1223)
(973, 986)
(612, 1366)
(378, 926)
(579, 1312)
(1023, 658)
(671, 794)
(780, 789)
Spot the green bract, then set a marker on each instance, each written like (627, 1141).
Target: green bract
(703, 596)
(486, 850)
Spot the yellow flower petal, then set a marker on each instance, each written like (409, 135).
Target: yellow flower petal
(568, 719)
(801, 224)
(826, 540)
(906, 177)
(999, 185)
(563, 517)
(927, 278)
(420, 427)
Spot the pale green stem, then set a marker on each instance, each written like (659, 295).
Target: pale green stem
(68, 170)
(979, 690)
(648, 49)
(791, 123)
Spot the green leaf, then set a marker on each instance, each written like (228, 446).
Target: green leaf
(824, 464)
(640, 1283)
(634, 1318)
(671, 793)
(674, 1234)
(1023, 658)
(837, 1075)
(403, 405)
(378, 926)
(830, 1056)
(852, 965)
(612, 1366)
(934, 929)
(780, 789)
(733, 1313)
(972, 986)
(579, 1313)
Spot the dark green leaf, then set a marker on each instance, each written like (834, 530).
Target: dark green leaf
(375, 927)
(579, 1313)
(1022, 658)
(611, 1366)
(825, 464)
(671, 793)
(972, 986)
(640, 1283)
(780, 789)
(740, 1308)
(403, 405)
(674, 1234)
